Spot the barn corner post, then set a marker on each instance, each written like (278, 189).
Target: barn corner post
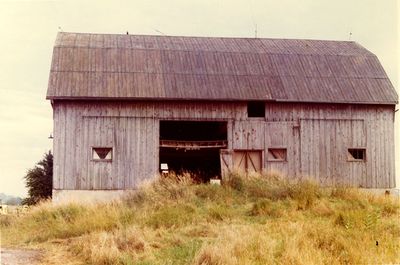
(125, 104)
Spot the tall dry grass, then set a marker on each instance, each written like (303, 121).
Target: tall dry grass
(259, 219)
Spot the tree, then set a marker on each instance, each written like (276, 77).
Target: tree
(39, 180)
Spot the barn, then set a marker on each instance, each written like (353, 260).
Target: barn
(126, 107)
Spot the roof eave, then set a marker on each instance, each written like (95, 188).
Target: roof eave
(68, 98)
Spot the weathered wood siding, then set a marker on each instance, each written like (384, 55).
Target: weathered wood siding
(324, 145)
(134, 142)
(316, 137)
(283, 134)
(132, 129)
(135, 151)
(325, 132)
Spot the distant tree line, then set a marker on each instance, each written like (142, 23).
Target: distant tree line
(13, 201)
(9, 199)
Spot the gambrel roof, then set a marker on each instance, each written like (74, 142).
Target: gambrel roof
(139, 67)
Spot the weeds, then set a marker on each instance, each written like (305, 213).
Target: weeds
(213, 193)
(219, 212)
(266, 207)
(257, 219)
(181, 253)
(235, 181)
(170, 216)
(305, 193)
(6, 220)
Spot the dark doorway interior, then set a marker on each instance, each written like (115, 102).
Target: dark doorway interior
(193, 146)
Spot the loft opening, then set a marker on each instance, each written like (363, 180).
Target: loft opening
(277, 154)
(102, 153)
(356, 154)
(192, 146)
(256, 109)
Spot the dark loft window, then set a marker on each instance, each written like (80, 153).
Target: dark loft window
(102, 153)
(356, 154)
(255, 109)
(276, 154)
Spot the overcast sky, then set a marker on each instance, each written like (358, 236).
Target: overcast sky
(28, 29)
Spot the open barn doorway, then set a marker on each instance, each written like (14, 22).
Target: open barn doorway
(193, 146)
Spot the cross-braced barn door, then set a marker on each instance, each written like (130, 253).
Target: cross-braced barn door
(247, 161)
(226, 161)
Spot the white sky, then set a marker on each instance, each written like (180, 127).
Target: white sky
(28, 29)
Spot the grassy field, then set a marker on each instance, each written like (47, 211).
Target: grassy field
(247, 220)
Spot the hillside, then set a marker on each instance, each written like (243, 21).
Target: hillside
(9, 199)
(247, 220)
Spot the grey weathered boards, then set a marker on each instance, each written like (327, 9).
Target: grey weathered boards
(327, 108)
(316, 138)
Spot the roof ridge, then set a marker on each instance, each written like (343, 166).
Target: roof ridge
(367, 53)
(203, 37)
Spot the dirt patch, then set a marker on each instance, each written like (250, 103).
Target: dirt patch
(19, 256)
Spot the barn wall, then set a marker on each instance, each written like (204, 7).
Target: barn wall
(324, 144)
(135, 150)
(133, 131)
(326, 131)
(316, 137)
(283, 134)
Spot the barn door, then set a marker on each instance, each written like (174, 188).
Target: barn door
(226, 161)
(247, 161)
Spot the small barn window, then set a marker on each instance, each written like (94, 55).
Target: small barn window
(102, 153)
(277, 154)
(356, 154)
(256, 109)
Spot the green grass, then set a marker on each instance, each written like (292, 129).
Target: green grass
(248, 220)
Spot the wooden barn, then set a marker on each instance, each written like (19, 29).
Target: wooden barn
(127, 106)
